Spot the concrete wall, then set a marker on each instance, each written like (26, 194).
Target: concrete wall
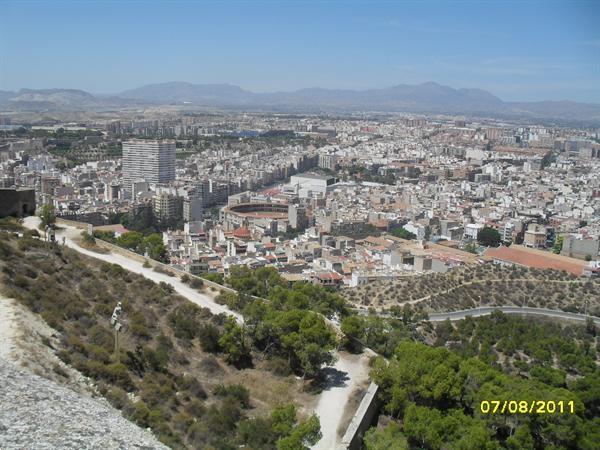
(580, 248)
(362, 420)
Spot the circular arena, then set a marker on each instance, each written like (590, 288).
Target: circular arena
(255, 212)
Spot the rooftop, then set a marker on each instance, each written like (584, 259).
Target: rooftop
(538, 259)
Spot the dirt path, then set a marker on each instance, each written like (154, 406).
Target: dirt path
(348, 373)
(70, 234)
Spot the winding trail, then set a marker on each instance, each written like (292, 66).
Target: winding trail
(348, 373)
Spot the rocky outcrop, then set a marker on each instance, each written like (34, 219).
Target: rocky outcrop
(38, 413)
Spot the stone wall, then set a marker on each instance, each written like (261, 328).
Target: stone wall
(362, 420)
(17, 202)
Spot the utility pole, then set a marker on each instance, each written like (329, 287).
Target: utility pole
(117, 325)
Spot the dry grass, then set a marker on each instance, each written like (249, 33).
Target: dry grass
(467, 287)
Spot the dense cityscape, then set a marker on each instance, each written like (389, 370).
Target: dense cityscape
(338, 201)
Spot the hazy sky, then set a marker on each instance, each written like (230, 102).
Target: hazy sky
(517, 50)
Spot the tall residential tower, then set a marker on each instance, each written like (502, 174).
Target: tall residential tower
(151, 161)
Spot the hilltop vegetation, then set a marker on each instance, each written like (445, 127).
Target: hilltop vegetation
(432, 395)
(540, 349)
(176, 372)
(468, 287)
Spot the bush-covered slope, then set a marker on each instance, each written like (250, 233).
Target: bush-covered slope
(172, 373)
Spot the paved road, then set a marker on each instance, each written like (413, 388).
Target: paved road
(332, 401)
(486, 310)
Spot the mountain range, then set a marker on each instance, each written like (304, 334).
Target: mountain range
(428, 97)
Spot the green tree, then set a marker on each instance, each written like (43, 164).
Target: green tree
(558, 244)
(233, 343)
(154, 246)
(389, 438)
(47, 216)
(130, 240)
(304, 435)
(400, 232)
(490, 237)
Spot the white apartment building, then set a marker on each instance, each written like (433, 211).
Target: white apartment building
(151, 161)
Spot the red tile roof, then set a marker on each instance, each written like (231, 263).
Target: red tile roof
(536, 258)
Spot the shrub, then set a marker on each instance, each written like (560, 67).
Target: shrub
(141, 414)
(209, 336)
(117, 397)
(182, 421)
(211, 365)
(87, 238)
(21, 281)
(196, 408)
(236, 391)
(118, 374)
(184, 322)
(196, 283)
(139, 326)
(192, 386)
(10, 224)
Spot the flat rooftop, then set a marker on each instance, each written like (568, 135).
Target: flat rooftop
(537, 259)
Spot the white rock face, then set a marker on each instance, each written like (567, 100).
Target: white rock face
(37, 413)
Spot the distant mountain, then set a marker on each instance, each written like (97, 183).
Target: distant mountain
(58, 100)
(428, 97)
(181, 92)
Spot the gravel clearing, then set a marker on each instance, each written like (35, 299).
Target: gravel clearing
(37, 413)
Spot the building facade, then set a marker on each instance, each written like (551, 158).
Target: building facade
(151, 161)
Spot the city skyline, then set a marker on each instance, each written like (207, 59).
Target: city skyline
(518, 51)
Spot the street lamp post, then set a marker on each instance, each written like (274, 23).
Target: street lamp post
(117, 325)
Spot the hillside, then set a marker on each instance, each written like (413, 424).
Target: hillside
(489, 285)
(190, 376)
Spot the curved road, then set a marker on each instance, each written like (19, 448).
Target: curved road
(348, 373)
(486, 310)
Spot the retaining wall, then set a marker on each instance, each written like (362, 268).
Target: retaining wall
(362, 420)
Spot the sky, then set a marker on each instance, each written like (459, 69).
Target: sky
(518, 50)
